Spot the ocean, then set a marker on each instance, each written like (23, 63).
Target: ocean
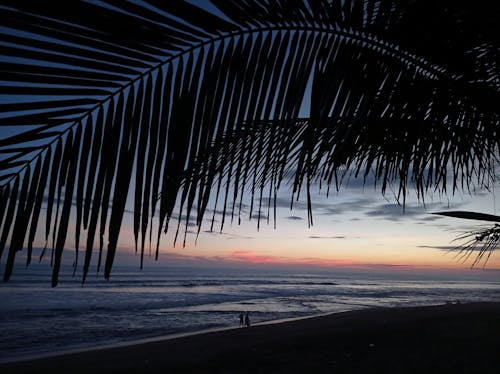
(36, 319)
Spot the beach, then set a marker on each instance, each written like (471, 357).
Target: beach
(451, 338)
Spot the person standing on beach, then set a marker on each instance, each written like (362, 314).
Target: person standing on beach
(247, 319)
(241, 319)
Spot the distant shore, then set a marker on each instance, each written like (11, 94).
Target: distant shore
(454, 338)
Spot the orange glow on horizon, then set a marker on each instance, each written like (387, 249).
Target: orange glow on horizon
(250, 256)
(237, 257)
(375, 252)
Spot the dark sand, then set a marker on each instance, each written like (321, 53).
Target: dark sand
(461, 338)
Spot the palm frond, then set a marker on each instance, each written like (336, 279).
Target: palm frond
(470, 215)
(477, 243)
(170, 103)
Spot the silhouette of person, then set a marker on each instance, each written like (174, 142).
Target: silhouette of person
(247, 319)
(241, 319)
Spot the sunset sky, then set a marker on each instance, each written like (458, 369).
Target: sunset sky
(355, 228)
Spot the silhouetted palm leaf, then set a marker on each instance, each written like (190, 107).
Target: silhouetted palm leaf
(168, 100)
(480, 243)
(470, 215)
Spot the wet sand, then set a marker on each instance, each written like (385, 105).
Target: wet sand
(461, 338)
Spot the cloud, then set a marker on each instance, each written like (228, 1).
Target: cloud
(456, 248)
(294, 218)
(391, 266)
(326, 237)
(357, 204)
(396, 212)
(330, 206)
(285, 203)
(229, 209)
(227, 235)
(262, 217)
(251, 257)
(177, 259)
(351, 182)
(431, 218)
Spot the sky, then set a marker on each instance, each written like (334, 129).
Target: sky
(357, 228)
(354, 228)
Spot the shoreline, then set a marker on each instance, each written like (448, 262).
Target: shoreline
(445, 338)
(159, 338)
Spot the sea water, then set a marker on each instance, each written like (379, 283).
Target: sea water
(37, 319)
